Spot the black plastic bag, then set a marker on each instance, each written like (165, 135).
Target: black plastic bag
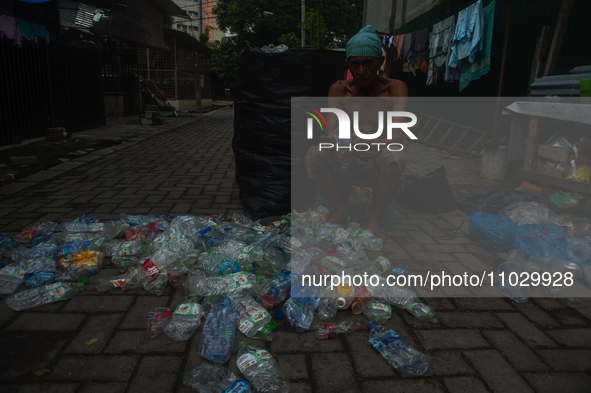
(262, 114)
(492, 200)
(430, 193)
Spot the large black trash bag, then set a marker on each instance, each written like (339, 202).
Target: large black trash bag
(430, 193)
(492, 200)
(262, 111)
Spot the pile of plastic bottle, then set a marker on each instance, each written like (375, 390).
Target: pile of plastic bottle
(232, 271)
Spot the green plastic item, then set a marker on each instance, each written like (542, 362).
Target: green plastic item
(565, 201)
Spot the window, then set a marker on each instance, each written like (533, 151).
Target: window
(185, 28)
(207, 3)
(179, 26)
(206, 16)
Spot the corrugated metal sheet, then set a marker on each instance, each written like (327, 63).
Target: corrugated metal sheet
(81, 15)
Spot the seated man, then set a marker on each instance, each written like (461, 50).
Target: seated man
(364, 59)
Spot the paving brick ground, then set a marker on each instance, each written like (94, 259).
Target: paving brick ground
(479, 345)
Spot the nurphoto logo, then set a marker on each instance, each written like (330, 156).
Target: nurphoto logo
(344, 128)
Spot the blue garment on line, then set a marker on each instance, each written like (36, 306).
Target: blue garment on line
(481, 64)
(40, 31)
(467, 39)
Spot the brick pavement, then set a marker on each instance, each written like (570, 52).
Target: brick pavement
(479, 345)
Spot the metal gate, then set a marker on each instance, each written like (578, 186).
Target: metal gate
(48, 85)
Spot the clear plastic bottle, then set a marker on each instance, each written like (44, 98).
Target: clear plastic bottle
(125, 248)
(328, 330)
(11, 277)
(328, 305)
(252, 319)
(157, 285)
(220, 285)
(220, 265)
(231, 248)
(43, 295)
(260, 369)
(299, 308)
(156, 321)
(278, 291)
(422, 311)
(378, 312)
(396, 351)
(186, 318)
(70, 248)
(219, 329)
(214, 378)
(361, 300)
(8, 245)
(27, 234)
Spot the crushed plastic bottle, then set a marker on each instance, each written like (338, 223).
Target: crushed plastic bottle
(328, 330)
(378, 312)
(328, 305)
(34, 297)
(220, 285)
(396, 351)
(11, 277)
(260, 369)
(219, 329)
(299, 308)
(156, 321)
(252, 318)
(186, 318)
(214, 378)
(278, 291)
(220, 265)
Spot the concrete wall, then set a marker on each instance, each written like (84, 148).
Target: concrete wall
(205, 102)
(114, 106)
(183, 105)
(378, 12)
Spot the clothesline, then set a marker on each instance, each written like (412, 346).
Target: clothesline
(18, 29)
(456, 48)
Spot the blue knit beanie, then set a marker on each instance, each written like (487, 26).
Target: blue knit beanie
(365, 43)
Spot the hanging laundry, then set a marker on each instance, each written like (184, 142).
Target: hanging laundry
(468, 35)
(407, 46)
(481, 64)
(398, 41)
(420, 47)
(9, 28)
(40, 31)
(26, 30)
(439, 48)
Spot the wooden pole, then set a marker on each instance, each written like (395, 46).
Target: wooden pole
(558, 35)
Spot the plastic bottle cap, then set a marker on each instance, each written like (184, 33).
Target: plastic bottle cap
(272, 325)
(279, 315)
(371, 325)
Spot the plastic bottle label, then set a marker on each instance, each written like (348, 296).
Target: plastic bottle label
(330, 329)
(56, 291)
(150, 267)
(384, 340)
(119, 283)
(239, 280)
(239, 386)
(295, 243)
(13, 272)
(257, 316)
(380, 307)
(245, 252)
(96, 227)
(250, 359)
(225, 266)
(189, 309)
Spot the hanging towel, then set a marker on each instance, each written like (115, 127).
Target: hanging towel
(481, 64)
(467, 38)
(407, 46)
(40, 31)
(9, 28)
(26, 30)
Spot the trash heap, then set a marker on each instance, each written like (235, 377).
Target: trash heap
(232, 271)
(540, 243)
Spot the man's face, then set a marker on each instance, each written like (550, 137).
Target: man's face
(364, 68)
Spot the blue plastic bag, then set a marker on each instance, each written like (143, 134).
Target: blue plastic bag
(541, 241)
(492, 232)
